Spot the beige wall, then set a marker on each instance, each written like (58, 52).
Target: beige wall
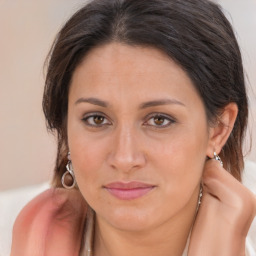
(27, 29)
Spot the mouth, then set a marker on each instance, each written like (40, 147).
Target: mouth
(130, 190)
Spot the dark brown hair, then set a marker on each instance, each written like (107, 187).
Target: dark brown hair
(193, 33)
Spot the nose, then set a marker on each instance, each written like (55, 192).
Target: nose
(126, 151)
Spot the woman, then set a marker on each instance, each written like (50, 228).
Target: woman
(142, 94)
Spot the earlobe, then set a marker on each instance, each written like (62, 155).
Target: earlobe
(220, 132)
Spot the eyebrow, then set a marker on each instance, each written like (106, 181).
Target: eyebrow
(144, 105)
(160, 102)
(93, 101)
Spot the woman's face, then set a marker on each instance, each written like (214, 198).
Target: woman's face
(138, 136)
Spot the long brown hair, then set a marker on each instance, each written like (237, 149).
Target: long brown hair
(193, 33)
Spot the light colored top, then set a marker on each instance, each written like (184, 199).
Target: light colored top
(12, 201)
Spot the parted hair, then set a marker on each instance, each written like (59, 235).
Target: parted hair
(194, 33)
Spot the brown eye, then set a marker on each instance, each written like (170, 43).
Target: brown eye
(96, 120)
(159, 120)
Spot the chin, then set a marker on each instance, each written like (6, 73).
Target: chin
(131, 219)
(130, 223)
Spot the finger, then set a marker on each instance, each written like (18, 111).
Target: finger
(45, 226)
(221, 185)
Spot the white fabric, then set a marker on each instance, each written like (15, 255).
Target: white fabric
(249, 180)
(12, 201)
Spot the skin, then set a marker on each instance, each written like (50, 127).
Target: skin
(129, 145)
(225, 216)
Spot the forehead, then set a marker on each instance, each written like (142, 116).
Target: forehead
(119, 71)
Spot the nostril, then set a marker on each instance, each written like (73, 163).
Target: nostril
(127, 163)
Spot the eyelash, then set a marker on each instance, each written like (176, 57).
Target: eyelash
(167, 118)
(93, 115)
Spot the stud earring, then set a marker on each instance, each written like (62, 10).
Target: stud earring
(217, 158)
(68, 178)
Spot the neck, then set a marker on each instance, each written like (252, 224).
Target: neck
(169, 238)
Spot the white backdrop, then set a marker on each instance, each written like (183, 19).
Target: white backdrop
(27, 29)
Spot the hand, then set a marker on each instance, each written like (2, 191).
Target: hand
(50, 225)
(225, 215)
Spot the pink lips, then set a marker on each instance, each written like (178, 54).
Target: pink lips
(130, 190)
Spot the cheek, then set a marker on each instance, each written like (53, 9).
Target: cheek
(85, 151)
(88, 158)
(181, 157)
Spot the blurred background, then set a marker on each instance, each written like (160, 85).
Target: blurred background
(27, 29)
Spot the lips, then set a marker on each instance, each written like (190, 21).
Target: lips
(130, 190)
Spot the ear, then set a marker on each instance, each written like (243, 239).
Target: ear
(219, 133)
